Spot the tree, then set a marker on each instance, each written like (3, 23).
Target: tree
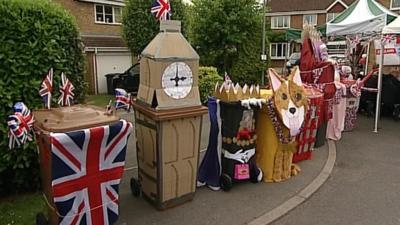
(227, 35)
(140, 26)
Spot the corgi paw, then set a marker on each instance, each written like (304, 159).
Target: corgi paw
(295, 169)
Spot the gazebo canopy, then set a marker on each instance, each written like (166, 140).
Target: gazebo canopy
(362, 17)
(393, 27)
(295, 34)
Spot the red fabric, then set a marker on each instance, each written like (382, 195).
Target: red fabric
(307, 59)
(297, 157)
(325, 81)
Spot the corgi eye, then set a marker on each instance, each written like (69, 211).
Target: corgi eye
(298, 97)
(284, 96)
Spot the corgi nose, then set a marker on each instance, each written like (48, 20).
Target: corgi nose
(292, 110)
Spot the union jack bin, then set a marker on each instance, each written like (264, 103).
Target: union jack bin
(82, 157)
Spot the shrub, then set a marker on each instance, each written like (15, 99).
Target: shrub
(34, 36)
(208, 77)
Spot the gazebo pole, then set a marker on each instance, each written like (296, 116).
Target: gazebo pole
(378, 97)
(367, 59)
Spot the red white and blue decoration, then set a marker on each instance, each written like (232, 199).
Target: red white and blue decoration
(122, 99)
(20, 125)
(66, 91)
(87, 167)
(46, 89)
(161, 9)
(387, 38)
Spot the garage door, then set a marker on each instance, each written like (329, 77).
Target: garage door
(110, 63)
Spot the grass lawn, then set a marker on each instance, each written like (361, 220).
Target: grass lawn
(21, 209)
(99, 100)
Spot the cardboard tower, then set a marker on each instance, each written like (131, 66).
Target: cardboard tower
(168, 115)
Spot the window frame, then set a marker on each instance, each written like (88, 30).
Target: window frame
(335, 15)
(391, 5)
(273, 23)
(276, 51)
(316, 19)
(104, 14)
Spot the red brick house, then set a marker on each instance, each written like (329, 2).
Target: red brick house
(100, 27)
(283, 15)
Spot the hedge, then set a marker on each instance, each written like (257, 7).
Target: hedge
(34, 36)
(208, 77)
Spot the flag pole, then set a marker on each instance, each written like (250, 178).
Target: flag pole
(263, 56)
(379, 94)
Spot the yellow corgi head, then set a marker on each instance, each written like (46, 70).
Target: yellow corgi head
(290, 99)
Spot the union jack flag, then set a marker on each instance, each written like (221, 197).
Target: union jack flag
(161, 9)
(20, 125)
(87, 167)
(66, 88)
(123, 99)
(47, 88)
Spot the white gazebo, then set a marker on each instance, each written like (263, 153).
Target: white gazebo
(364, 17)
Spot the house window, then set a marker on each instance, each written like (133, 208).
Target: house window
(108, 14)
(278, 50)
(331, 16)
(395, 4)
(310, 19)
(278, 22)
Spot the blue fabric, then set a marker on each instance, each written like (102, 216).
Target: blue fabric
(209, 171)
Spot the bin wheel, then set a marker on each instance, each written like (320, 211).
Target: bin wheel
(41, 219)
(135, 187)
(225, 182)
(396, 113)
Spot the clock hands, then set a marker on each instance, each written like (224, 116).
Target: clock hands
(177, 78)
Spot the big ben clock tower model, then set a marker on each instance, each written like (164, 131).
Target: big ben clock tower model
(168, 117)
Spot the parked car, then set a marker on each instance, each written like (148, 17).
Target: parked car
(294, 60)
(128, 80)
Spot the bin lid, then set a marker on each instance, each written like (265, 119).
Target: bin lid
(71, 118)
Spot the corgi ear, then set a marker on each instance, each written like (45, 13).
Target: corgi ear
(295, 76)
(275, 79)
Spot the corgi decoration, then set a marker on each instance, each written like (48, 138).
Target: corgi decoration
(279, 122)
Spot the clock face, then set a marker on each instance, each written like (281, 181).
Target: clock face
(177, 80)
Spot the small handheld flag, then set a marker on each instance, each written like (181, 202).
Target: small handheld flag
(47, 88)
(66, 88)
(20, 125)
(161, 9)
(227, 81)
(122, 99)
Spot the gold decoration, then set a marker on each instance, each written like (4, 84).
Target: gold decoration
(234, 92)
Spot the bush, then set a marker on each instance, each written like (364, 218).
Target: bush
(208, 77)
(34, 36)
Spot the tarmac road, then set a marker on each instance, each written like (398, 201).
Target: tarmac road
(364, 188)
